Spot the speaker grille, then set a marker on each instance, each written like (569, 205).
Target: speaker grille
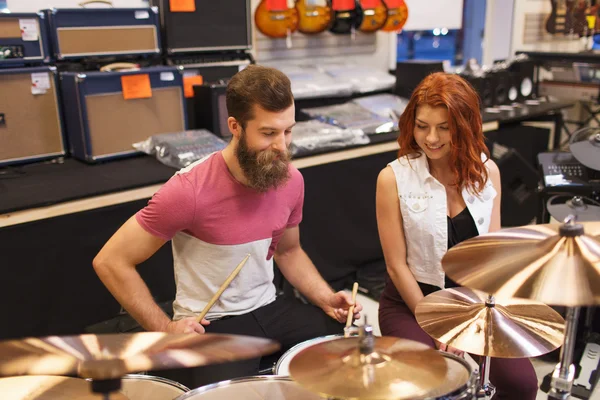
(107, 40)
(115, 123)
(9, 28)
(32, 125)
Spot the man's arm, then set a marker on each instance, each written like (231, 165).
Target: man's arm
(301, 273)
(116, 265)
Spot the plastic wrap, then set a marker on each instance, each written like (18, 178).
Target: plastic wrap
(308, 83)
(315, 136)
(362, 78)
(352, 116)
(385, 105)
(180, 149)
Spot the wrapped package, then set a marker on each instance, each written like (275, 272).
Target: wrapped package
(314, 136)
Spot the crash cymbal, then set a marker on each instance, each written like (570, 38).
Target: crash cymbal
(468, 320)
(49, 388)
(390, 369)
(109, 356)
(549, 263)
(583, 208)
(585, 146)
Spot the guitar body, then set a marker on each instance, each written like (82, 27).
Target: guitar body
(312, 17)
(374, 18)
(396, 17)
(345, 21)
(275, 23)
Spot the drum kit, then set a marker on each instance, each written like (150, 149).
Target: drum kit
(508, 279)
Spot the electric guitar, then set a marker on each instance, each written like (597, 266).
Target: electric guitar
(397, 15)
(347, 17)
(275, 19)
(375, 15)
(314, 16)
(568, 16)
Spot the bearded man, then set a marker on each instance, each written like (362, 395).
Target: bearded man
(246, 199)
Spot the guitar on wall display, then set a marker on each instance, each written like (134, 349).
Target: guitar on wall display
(375, 15)
(568, 16)
(273, 18)
(397, 15)
(314, 16)
(347, 17)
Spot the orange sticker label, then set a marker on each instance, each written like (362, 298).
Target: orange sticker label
(182, 5)
(188, 84)
(136, 86)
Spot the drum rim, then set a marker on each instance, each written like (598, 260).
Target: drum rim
(302, 344)
(462, 388)
(216, 385)
(157, 379)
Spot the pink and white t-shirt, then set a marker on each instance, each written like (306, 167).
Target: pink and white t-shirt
(213, 222)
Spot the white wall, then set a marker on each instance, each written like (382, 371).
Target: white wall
(36, 5)
(497, 37)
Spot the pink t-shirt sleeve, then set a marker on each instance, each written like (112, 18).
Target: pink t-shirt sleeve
(170, 210)
(296, 215)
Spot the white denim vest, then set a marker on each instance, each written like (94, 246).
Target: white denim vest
(424, 216)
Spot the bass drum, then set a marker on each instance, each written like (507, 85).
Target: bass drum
(263, 387)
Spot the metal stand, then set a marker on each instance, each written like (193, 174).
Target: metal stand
(106, 387)
(485, 388)
(564, 373)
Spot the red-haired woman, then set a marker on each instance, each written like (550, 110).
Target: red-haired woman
(442, 189)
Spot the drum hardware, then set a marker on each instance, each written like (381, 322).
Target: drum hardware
(585, 146)
(105, 359)
(474, 322)
(368, 367)
(581, 207)
(557, 265)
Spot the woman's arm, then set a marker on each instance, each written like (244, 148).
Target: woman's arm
(391, 235)
(495, 177)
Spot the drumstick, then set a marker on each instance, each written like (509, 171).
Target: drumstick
(351, 309)
(216, 296)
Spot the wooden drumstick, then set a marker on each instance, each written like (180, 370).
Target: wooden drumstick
(351, 309)
(216, 296)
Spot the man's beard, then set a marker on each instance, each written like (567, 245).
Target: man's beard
(265, 169)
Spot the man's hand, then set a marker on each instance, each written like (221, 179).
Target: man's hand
(448, 349)
(186, 325)
(338, 304)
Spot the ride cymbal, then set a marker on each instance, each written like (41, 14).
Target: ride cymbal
(553, 264)
(49, 388)
(389, 368)
(468, 320)
(110, 356)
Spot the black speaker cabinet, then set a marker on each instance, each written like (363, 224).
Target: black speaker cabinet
(205, 26)
(211, 109)
(410, 73)
(523, 83)
(30, 120)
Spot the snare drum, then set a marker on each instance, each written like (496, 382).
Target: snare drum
(263, 387)
(146, 387)
(460, 382)
(283, 364)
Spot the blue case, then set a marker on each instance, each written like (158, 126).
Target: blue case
(94, 32)
(23, 51)
(31, 125)
(102, 125)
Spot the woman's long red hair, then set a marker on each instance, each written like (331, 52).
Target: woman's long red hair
(464, 122)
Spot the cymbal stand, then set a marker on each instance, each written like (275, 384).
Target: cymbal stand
(106, 387)
(564, 373)
(485, 388)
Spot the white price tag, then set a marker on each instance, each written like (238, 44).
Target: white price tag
(142, 14)
(29, 30)
(40, 82)
(167, 76)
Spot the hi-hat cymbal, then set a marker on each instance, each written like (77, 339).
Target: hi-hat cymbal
(49, 388)
(395, 369)
(532, 262)
(110, 356)
(583, 208)
(466, 320)
(585, 146)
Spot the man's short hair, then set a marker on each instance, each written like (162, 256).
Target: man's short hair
(266, 87)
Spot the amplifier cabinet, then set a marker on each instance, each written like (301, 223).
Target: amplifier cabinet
(95, 32)
(30, 120)
(23, 39)
(206, 25)
(211, 109)
(106, 112)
